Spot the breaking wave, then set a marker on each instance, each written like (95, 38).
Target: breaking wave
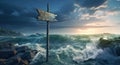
(69, 50)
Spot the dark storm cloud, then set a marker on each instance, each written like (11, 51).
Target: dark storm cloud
(90, 3)
(8, 9)
(16, 16)
(22, 16)
(67, 16)
(64, 13)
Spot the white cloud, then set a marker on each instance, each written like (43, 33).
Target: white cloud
(99, 14)
(88, 13)
(117, 0)
(95, 16)
(76, 5)
(103, 6)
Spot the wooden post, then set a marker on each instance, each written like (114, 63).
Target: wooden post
(47, 38)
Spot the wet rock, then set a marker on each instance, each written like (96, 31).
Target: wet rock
(14, 55)
(2, 61)
(7, 53)
(6, 45)
(103, 43)
(28, 56)
(22, 49)
(112, 44)
(13, 61)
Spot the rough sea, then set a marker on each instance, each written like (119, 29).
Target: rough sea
(69, 49)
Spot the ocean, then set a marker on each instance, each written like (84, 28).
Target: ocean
(70, 49)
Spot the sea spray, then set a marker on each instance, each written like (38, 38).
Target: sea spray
(74, 50)
(40, 56)
(89, 52)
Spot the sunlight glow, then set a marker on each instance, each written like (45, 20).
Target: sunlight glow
(99, 27)
(88, 31)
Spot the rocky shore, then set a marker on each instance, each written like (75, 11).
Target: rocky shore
(15, 55)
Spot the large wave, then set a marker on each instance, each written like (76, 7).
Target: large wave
(70, 49)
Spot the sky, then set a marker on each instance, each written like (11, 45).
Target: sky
(73, 16)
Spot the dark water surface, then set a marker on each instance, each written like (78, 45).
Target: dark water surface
(69, 49)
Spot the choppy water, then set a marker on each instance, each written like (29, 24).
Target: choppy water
(69, 49)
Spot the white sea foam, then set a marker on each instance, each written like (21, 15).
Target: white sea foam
(75, 52)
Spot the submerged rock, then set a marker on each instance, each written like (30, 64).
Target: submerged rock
(103, 43)
(14, 55)
(112, 44)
